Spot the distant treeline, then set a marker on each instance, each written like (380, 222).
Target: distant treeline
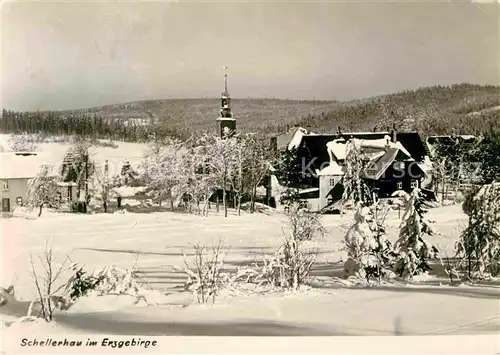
(84, 125)
(428, 110)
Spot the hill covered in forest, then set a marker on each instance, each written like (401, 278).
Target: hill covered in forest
(462, 108)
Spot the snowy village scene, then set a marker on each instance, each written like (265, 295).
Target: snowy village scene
(242, 169)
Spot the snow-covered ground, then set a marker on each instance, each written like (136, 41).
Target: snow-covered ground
(155, 242)
(116, 156)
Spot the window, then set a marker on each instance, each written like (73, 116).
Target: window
(414, 184)
(19, 201)
(332, 182)
(5, 185)
(399, 185)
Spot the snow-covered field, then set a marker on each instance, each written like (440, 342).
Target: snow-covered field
(155, 243)
(133, 152)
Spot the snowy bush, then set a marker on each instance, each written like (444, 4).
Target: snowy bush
(118, 281)
(110, 280)
(81, 283)
(289, 266)
(479, 244)
(304, 224)
(413, 251)
(205, 279)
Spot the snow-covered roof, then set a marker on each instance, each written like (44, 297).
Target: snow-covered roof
(332, 169)
(384, 143)
(337, 147)
(308, 190)
(297, 138)
(17, 165)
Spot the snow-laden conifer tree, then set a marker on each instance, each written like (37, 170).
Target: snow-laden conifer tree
(369, 252)
(43, 190)
(356, 192)
(412, 250)
(479, 244)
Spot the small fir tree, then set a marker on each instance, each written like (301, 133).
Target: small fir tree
(412, 250)
(356, 192)
(289, 174)
(370, 254)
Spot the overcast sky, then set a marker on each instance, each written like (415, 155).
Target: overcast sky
(72, 55)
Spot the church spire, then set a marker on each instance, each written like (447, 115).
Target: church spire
(226, 124)
(225, 80)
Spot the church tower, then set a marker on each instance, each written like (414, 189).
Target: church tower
(226, 124)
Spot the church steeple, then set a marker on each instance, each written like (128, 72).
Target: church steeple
(226, 124)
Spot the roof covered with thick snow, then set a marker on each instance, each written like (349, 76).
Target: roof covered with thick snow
(23, 165)
(371, 147)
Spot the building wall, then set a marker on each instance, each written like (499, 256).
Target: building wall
(326, 184)
(16, 188)
(19, 187)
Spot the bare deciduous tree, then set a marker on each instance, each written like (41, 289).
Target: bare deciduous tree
(47, 283)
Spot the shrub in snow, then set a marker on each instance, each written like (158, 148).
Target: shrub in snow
(413, 251)
(204, 276)
(289, 266)
(114, 280)
(304, 225)
(81, 283)
(479, 244)
(110, 280)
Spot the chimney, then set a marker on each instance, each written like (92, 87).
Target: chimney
(339, 131)
(393, 133)
(308, 128)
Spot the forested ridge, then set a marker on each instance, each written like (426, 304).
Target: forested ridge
(461, 108)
